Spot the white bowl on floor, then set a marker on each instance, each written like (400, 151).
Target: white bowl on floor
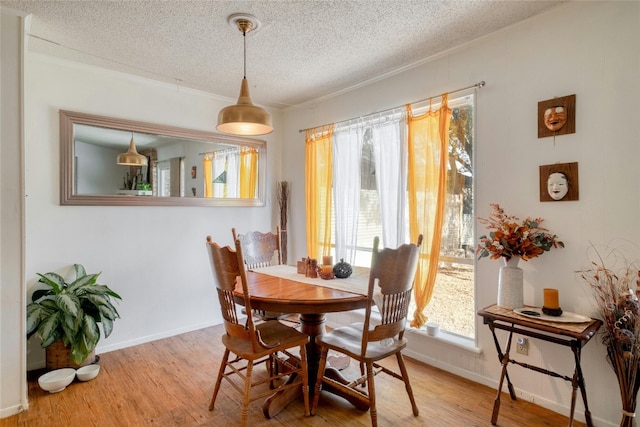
(88, 372)
(57, 380)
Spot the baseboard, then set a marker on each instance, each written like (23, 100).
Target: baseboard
(13, 410)
(39, 362)
(154, 337)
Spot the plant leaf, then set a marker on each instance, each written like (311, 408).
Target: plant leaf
(79, 270)
(96, 299)
(49, 305)
(107, 291)
(79, 351)
(71, 324)
(90, 331)
(113, 294)
(107, 326)
(54, 280)
(103, 304)
(68, 303)
(34, 311)
(96, 289)
(81, 282)
(48, 329)
(109, 311)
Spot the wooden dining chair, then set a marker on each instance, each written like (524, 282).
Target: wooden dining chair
(248, 344)
(390, 286)
(261, 250)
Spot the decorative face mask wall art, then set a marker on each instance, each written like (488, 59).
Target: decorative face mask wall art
(559, 182)
(557, 116)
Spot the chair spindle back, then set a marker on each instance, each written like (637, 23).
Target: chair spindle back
(259, 249)
(390, 286)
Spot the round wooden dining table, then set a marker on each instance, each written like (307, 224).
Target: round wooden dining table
(311, 302)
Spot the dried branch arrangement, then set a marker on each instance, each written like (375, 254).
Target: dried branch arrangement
(614, 280)
(283, 203)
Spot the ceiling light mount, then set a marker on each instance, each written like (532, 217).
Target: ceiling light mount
(244, 118)
(244, 22)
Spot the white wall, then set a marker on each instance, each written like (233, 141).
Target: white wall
(161, 269)
(585, 48)
(96, 172)
(154, 257)
(13, 390)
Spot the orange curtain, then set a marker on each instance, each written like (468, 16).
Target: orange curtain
(427, 186)
(318, 183)
(207, 166)
(248, 172)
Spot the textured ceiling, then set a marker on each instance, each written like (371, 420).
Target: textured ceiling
(303, 50)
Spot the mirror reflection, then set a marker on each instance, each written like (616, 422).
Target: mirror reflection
(183, 167)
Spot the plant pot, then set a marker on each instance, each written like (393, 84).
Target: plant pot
(58, 356)
(510, 285)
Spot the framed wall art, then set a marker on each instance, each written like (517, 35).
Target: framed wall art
(557, 116)
(559, 182)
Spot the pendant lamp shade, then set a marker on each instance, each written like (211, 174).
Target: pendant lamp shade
(244, 118)
(132, 157)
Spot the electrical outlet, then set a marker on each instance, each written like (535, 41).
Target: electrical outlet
(522, 346)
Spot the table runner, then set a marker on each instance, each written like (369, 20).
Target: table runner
(357, 283)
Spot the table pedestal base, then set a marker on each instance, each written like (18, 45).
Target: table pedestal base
(313, 325)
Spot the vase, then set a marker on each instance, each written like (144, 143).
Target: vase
(625, 366)
(510, 284)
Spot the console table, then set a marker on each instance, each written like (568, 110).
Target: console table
(572, 335)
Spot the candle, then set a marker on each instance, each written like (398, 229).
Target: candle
(326, 270)
(312, 268)
(551, 299)
(327, 260)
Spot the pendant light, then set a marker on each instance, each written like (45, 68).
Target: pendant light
(132, 157)
(244, 118)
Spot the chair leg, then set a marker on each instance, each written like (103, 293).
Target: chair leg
(407, 384)
(247, 393)
(305, 379)
(273, 369)
(318, 386)
(223, 365)
(371, 389)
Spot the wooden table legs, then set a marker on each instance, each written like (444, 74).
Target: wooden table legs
(577, 380)
(504, 360)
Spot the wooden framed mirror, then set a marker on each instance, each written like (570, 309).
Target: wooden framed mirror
(184, 167)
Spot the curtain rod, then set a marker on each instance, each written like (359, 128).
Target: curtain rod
(478, 85)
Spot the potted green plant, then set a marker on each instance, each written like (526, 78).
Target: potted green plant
(71, 311)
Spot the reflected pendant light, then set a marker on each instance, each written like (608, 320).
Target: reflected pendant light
(132, 157)
(244, 118)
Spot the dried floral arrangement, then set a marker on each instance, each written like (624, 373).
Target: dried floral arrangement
(615, 282)
(283, 204)
(510, 238)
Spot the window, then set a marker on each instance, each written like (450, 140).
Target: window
(452, 302)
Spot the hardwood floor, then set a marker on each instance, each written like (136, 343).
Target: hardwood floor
(169, 383)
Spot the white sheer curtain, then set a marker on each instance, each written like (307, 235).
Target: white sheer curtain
(347, 150)
(389, 140)
(225, 174)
